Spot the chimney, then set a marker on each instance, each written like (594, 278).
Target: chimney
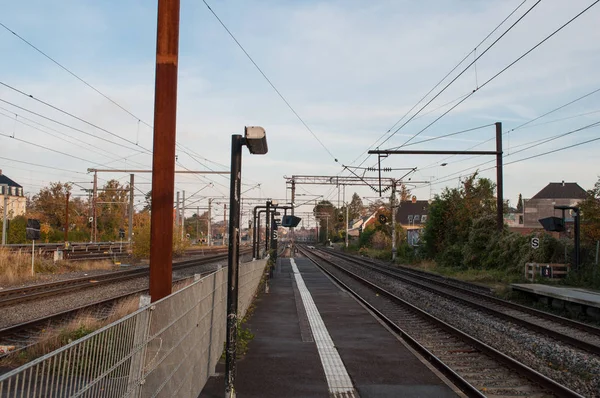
(0, 172)
(563, 182)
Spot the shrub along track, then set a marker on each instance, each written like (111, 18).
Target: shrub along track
(476, 367)
(26, 333)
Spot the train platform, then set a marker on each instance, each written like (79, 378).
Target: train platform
(312, 339)
(587, 298)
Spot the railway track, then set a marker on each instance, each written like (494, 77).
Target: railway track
(25, 334)
(475, 367)
(576, 334)
(34, 292)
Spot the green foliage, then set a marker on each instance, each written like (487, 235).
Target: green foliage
(590, 209)
(141, 240)
(16, 231)
(365, 237)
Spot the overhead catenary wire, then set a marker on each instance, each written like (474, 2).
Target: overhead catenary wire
(139, 119)
(462, 72)
(78, 144)
(524, 125)
(447, 75)
(451, 134)
(72, 73)
(504, 69)
(532, 145)
(271, 83)
(73, 116)
(66, 125)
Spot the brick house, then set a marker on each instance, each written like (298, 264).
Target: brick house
(412, 215)
(541, 205)
(15, 199)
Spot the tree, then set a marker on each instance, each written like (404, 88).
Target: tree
(148, 200)
(404, 193)
(326, 211)
(356, 207)
(520, 204)
(590, 210)
(50, 204)
(111, 209)
(451, 215)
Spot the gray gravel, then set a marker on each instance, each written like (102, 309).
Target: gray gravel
(569, 366)
(12, 315)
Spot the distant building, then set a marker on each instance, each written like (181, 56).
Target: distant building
(15, 197)
(541, 205)
(412, 215)
(360, 224)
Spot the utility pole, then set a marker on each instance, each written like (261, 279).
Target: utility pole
(94, 204)
(67, 218)
(499, 179)
(177, 213)
(393, 208)
(197, 222)
(209, 226)
(4, 211)
(347, 221)
(183, 215)
(163, 156)
(224, 223)
(130, 231)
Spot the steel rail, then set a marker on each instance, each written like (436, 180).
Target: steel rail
(515, 365)
(413, 279)
(33, 292)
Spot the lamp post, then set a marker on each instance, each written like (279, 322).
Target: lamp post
(256, 140)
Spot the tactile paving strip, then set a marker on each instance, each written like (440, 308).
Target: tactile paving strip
(337, 376)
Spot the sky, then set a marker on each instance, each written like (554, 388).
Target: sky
(349, 69)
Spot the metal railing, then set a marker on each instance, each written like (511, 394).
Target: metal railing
(166, 349)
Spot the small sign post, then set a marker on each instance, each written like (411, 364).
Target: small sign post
(32, 232)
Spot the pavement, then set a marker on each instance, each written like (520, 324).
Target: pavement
(576, 295)
(307, 324)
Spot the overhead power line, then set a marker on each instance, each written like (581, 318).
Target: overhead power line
(72, 73)
(73, 116)
(271, 83)
(42, 165)
(66, 125)
(464, 70)
(533, 145)
(503, 69)
(139, 119)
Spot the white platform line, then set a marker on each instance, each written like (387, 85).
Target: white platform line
(337, 376)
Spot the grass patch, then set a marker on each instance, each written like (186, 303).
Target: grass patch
(15, 267)
(57, 336)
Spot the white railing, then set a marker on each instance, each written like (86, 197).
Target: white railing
(166, 349)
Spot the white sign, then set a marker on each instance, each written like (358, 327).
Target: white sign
(535, 243)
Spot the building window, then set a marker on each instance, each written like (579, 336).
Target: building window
(424, 218)
(417, 218)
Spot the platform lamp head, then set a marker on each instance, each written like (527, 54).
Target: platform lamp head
(256, 140)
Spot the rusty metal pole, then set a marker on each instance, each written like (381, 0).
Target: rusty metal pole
(499, 179)
(67, 219)
(163, 157)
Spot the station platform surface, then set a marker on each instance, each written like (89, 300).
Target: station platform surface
(585, 297)
(313, 339)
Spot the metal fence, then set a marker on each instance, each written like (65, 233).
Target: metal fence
(166, 349)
